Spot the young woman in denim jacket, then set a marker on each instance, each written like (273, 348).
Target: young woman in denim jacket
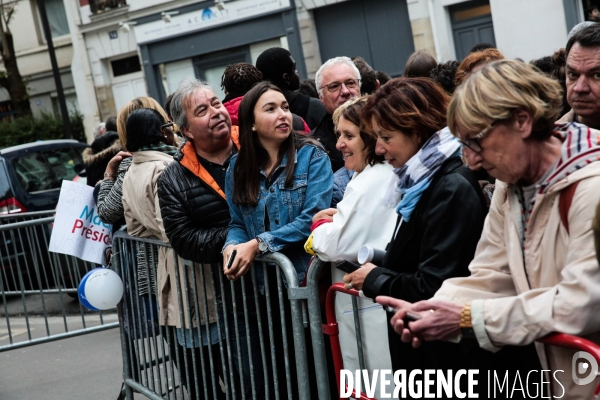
(274, 185)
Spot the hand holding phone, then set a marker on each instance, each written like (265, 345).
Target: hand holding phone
(347, 266)
(231, 259)
(410, 317)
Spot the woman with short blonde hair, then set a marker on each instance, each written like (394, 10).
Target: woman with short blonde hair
(481, 101)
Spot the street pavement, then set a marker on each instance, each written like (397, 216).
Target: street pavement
(85, 367)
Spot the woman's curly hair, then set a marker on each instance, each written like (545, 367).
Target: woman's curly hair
(444, 75)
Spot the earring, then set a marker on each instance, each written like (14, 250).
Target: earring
(253, 129)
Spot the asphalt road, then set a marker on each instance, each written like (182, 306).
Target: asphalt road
(85, 367)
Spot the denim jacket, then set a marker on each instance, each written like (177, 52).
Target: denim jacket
(290, 209)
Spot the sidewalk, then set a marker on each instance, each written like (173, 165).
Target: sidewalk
(85, 367)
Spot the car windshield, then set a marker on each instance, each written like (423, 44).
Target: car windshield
(34, 173)
(66, 163)
(46, 170)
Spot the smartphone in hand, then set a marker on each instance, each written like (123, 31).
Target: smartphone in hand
(230, 259)
(347, 266)
(410, 317)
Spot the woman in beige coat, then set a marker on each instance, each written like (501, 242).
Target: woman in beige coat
(150, 139)
(535, 271)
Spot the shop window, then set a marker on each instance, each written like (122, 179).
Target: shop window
(126, 66)
(100, 6)
(591, 10)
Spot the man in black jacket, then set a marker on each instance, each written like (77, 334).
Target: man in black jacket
(194, 210)
(278, 66)
(338, 80)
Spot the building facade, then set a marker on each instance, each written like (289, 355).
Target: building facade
(141, 47)
(120, 49)
(525, 29)
(33, 59)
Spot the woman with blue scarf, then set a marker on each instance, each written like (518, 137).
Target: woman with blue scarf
(440, 207)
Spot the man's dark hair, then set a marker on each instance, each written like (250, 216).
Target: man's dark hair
(419, 65)
(367, 76)
(444, 75)
(545, 65)
(239, 78)
(309, 88)
(587, 37)
(168, 106)
(111, 124)
(481, 46)
(382, 77)
(273, 63)
(143, 128)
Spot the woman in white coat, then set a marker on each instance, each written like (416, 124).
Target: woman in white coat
(358, 221)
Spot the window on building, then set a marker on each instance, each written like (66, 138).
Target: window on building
(100, 6)
(57, 18)
(591, 10)
(126, 66)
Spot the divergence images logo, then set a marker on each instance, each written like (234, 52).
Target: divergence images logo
(584, 363)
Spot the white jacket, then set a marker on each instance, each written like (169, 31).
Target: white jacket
(360, 220)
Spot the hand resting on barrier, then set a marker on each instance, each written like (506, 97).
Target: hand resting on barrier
(246, 252)
(441, 320)
(357, 278)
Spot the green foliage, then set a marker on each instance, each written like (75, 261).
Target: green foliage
(45, 127)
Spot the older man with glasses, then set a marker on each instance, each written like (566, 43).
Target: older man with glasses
(535, 270)
(338, 80)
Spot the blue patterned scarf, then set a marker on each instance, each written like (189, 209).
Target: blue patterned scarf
(412, 179)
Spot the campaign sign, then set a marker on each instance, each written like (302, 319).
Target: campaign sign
(78, 230)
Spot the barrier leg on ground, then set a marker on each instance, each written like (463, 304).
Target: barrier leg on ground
(230, 340)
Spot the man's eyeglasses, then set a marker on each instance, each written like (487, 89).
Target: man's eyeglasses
(474, 143)
(335, 86)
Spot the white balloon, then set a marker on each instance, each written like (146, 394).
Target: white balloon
(104, 289)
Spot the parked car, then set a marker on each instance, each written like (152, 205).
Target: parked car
(30, 179)
(31, 174)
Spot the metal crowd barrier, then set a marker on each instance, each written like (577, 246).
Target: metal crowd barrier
(38, 289)
(330, 329)
(254, 348)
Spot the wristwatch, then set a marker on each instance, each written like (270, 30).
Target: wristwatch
(262, 246)
(466, 324)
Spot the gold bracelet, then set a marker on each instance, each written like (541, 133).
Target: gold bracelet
(465, 316)
(110, 176)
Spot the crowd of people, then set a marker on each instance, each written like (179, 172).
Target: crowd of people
(477, 178)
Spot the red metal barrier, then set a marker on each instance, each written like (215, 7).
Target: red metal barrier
(576, 343)
(331, 329)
